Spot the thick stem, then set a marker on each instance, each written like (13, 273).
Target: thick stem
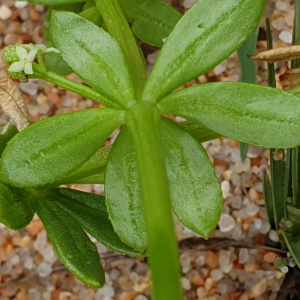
(80, 89)
(144, 124)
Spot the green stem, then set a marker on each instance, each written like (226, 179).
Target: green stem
(144, 125)
(119, 29)
(80, 89)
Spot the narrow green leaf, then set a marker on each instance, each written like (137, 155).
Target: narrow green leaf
(17, 207)
(249, 70)
(195, 192)
(89, 210)
(95, 165)
(293, 244)
(71, 243)
(192, 49)
(54, 2)
(98, 178)
(119, 29)
(269, 200)
(252, 114)
(52, 148)
(199, 132)
(122, 192)
(7, 132)
(291, 224)
(151, 20)
(93, 55)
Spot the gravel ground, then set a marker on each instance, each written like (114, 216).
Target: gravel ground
(237, 265)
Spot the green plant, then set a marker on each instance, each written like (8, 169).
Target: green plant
(154, 165)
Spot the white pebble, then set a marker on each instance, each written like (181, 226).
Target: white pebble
(219, 69)
(281, 5)
(189, 3)
(29, 88)
(105, 291)
(186, 285)
(286, 36)
(226, 223)
(236, 202)
(185, 262)
(252, 209)
(216, 274)
(225, 186)
(243, 256)
(284, 269)
(257, 223)
(20, 4)
(274, 236)
(141, 297)
(153, 57)
(5, 12)
(44, 269)
(265, 227)
(28, 264)
(34, 294)
(278, 24)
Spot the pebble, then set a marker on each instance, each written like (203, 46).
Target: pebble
(270, 256)
(201, 293)
(278, 23)
(219, 69)
(29, 88)
(226, 223)
(286, 36)
(225, 186)
(224, 261)
(153, 57)
(208, 283)
(34, 294)
(188, 3)
(243, 256)
(265, 227)
(20, 4)
(5, 12)
(236, 202)
(216, 274)
(185, 262)
(281, 5)
(141, 297)
(273, 236)
(211, 259)
(186, 285)
(252, 209)
(44, 269)
(105, 291)
(259, 288)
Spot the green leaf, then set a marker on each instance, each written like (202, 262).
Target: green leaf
(93, 55)
(55, 2)
(95, 165)
(17, 207)
(207, 34)
(92, 14)
(7, 132)
(71, 243)
(269, 201)
(249, 70)
(52, 148)
(55, 63)
(199, 132)
(122, 192)
(293, 244)
(89, 210)
(98, 178)
(195, 192)
(151, 20)
(252, 114)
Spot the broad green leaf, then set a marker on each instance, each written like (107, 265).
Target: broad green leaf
(208, 33)
(199, 132)
(95, 165)
(89, 210)
(195, 192)
(122, 192)
(92, 14)
(17, 207)
(71, 243)
(55, 2)
(93, 55)
(52, 148)
(269, 202)
(98, 178)
(252, 114)
(151, 20)
(7, 132)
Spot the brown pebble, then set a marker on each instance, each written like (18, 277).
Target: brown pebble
(197, 279)
(25, 241)
(34, 227)
(65, 296)
(36, 117)
(140, 287)
(128, 295)
(235, 296)
(55, 99)
(252, 267)
(211, 259)
(34, 15)
(201, 293)
(259, 288)
(208, 283)
(270, 256)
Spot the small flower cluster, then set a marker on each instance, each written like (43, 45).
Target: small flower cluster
(19, 58)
